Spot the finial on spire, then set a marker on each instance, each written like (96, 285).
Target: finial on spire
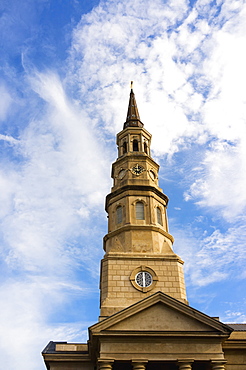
(132, 118)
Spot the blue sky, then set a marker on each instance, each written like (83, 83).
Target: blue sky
(65, 74)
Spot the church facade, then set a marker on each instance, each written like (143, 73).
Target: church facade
(145, 320)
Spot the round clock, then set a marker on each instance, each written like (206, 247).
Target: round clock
(143, 279)
(137, 169)
(121, 174)
(152, 174)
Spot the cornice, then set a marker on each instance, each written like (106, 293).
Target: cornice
(130, 227)
(134, 156)
(138, 188)
(137, 256)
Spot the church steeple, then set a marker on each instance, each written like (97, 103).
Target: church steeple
(146, 323)
(139, 259)
(132, 118)
(133, 137)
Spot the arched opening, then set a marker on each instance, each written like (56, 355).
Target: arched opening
(135, 145)
(139, 211)
(159, 216)
(124, 147)
(145, 148)
(119, 214)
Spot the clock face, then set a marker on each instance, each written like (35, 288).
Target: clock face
(152, 174)
(143, 279)
(121, 174)
(137, 169)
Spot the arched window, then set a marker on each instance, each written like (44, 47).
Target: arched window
(145, 148)
(135, 145)
(139, 211)
(119, 214)
(124, 147)
(159, 216)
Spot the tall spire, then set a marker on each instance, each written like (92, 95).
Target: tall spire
(132, 118)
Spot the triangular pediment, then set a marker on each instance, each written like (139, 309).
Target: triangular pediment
(161, 313)
(160, 317)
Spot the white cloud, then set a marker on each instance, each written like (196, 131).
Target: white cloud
(7, 180)
(5, 102)
(8, 138)
(224, 112)
(235, 317)
(170, 66)
(189, 97)
(211, 256)
(49, 202)
(221, 183)
(138, 45)
(23, 323)
(54, 188)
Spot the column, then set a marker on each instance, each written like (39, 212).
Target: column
(185, 364)
(218, 364)
(166, 220)
(139, 365)
(128, 210)
(141, 143)
(105, 364)
(151, 210)
(128, 143)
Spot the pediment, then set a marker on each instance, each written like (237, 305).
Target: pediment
(161, 313)
(160, 317)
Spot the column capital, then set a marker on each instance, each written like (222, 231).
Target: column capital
(218, 364)
(138, 364)
(185, 364)
(105, 364)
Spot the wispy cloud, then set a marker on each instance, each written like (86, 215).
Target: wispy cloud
(48, 212)
(5, 102)
(212, 255)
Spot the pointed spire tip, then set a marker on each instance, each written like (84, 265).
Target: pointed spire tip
(132, 118)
